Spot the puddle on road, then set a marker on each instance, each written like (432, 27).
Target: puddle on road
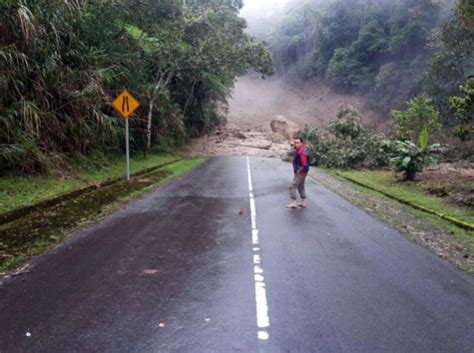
(31, 234)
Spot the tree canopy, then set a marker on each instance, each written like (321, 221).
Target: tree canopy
(63, 62)
(376, 48)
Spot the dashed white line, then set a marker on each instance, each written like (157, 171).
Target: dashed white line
(263, 321)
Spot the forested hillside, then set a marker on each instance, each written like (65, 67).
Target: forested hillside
(387, 50)
(63, 62)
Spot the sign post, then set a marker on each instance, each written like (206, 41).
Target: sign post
(127, 149)
(125, 104)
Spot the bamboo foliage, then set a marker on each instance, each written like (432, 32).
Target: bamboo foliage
(62, 62)
(53, 93)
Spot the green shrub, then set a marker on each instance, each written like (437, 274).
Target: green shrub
(420, 114)
(410, 158)
(346, 144)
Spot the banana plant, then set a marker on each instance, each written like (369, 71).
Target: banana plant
(410, 158)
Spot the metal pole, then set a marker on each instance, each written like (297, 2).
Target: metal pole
(127, 149)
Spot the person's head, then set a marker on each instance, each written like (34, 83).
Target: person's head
(298, 142)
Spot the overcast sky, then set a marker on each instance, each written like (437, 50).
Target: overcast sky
(251, 7)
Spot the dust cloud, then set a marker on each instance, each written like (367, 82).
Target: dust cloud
(255, 102)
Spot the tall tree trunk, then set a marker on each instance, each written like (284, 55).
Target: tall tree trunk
(190, 98)
(148, 127)
(157, 90)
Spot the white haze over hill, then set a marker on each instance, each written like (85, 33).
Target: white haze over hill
(258, 14)
(261, 8)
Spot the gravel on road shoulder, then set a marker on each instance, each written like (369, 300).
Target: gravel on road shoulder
(427, 230)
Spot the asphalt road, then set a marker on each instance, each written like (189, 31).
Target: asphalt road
(203, 264)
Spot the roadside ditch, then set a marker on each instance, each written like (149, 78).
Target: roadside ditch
(40, 226)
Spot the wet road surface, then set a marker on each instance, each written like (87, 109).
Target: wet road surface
(203, 264)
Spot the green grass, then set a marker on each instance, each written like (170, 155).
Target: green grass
(17, 192)
(182, 167)
(408, 191)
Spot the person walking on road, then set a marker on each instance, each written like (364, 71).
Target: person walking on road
(301, 169)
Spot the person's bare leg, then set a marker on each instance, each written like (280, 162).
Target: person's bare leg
(302, 192)
(293, 187)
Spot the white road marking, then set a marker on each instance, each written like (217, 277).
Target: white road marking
(255, 240)
(263, 321)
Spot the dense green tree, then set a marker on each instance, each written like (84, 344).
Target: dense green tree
(293, 39)
(345, 71)
(420, 114)
(466, 8)
(448, 68)
(463, 107)
(378, 48)
(62, 63)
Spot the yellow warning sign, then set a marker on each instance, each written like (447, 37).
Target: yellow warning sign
(125, 104)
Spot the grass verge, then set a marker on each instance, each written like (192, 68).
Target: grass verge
(16, 191)
(409, 192)
(32, 234)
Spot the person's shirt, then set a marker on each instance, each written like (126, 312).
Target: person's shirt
(300, 161)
